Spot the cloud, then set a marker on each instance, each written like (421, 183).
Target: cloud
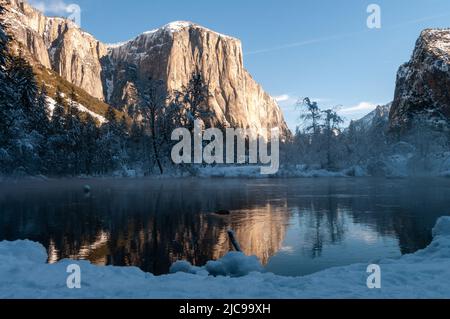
(52, 6)
(282, 98)
(306, 42)
(363, 106)
(343, 35)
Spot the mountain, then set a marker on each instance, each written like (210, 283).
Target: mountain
(111, 73)
(379, 116)
(423, 84)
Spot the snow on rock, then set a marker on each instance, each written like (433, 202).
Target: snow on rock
(172, 27)
(84, 109)
(422, 82)
(425, 274)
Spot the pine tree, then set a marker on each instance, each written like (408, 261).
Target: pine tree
(6, 92)
(73, 127)
(88, 145)
(110, 153)
(26, 88)
(56, 144)
(24, 141)
(58, 115)
(195, 96)
(136, 146)
(40, 119)
(111, 117)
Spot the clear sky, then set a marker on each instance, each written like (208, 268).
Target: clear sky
(322, 49)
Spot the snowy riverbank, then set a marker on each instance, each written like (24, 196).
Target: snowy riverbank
(425, 274)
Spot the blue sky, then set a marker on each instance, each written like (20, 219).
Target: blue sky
(322, 49)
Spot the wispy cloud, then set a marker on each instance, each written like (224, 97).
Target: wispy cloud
(344, 35)
(363, 106)
(303, 43)
(52, 6)
(292, 99)
(282, 98)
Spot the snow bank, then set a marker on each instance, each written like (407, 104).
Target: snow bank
(230, 171)
(425, 274)
(294, 171)
(234, 264)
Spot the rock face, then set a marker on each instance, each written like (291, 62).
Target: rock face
(60, 45)
(423, 84)
(182, 48)
(171, 53)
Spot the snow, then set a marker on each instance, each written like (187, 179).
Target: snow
(172, 27)
(234, 264)
(51, 105)
(116, 45)
(24, 273)
(286, 171)
(109, 88)
(80, 107)
(229, 171)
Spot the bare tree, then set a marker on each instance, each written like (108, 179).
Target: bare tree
(152, 102)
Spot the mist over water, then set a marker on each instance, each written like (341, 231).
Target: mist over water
(294, 226)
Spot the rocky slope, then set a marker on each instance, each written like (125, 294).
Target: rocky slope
(376, 118)
(423, 84)
(171, 53)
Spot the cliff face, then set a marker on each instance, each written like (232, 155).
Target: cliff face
(58, 44)
(171, 53)
(423, 84)
(182, 48)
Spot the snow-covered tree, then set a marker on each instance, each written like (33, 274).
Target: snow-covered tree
(195, 98)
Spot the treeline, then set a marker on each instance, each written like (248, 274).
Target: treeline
(321, 142)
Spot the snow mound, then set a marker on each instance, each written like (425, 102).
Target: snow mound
(442, 227)
(234, 264)
(22, 250)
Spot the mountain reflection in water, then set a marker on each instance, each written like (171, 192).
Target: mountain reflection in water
(294, 226)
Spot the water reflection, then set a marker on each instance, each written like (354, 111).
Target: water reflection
(294, 226)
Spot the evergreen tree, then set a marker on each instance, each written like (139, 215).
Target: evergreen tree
(111, 117)
(73, 127)
(26, 88)
(196, 95)
(110, 150)
(311, 114)
(24, 142)
(56, 148)
(58, 115)
(88, 146)
(6, 103)
(40, 119)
